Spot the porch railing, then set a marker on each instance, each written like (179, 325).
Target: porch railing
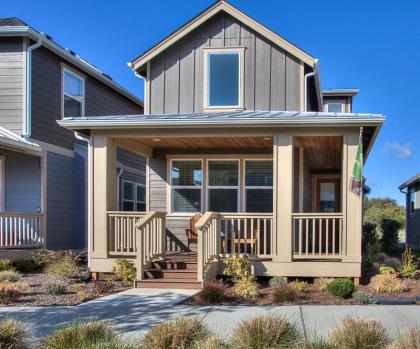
(151, 240)
(209, 246)
(122, 234)
(248, 233)
(21, 230)
(317, 235)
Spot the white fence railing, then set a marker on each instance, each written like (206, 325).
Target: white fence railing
(21, 230)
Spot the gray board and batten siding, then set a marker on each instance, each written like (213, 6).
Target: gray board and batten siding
(272, 77)
(12, 81)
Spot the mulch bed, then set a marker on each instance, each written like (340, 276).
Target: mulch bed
(37, 296)
(312, 295)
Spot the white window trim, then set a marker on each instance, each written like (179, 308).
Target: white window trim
(328, 106)
(412, 211)
(240, 50)
(245, 187)
(172, 187)
(65, 69)
(134, 201)
(237, 187)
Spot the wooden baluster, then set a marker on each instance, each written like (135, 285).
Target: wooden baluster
(327, 239)
(320, 226)
(300, 236)
(313, 236)
(306, 236)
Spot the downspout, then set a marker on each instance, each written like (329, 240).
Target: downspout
(120, 172)
(27, 122)
(307, 76)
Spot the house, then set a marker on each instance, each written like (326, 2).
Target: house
(410, 188)
(43, 166)
(234, 130)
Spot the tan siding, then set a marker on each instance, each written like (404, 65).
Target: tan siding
(157, 184)
(271, 81)
(11, 83)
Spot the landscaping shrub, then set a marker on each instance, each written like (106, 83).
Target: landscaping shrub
(392, 262)
(276, 281)
(284, 293)
(354, 333)
(210, 343)
(64, 267)
(180, 333)
(86, 335)
(55, 288)
(322, 283)
(81, 293)
(125, 270)
(299, 286)
(387, 270)
(409, 340)
(341, 287)
(380, 258)
(102, 287)
(238, 267)
(25, 265)
(370, 248)
(246, 288)
(386, 283)
(409, 266)
(10, 276)
(13, 335)
(364, 298)
(265, 331)
(6, 264)
(11, 291)
(318, 343)
(212, 292)
(389, 241)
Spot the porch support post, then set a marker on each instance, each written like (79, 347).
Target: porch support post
(282, 197)
(103, 191)
(352, 228)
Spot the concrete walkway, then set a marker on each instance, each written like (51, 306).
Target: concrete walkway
(135, 311)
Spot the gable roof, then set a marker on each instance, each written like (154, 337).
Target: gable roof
(409, 182)
(16, 27)
(217, 7)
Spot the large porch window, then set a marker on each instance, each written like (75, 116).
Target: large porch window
(223, 185)
(186, 179)
(258, 186)
(134, 196)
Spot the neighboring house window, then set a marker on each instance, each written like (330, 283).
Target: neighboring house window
(258, 186)
(73, 94)
(186, 180)
(133, 196)
(223, 83)
(412, 199)
(335, 107)
(223, 185)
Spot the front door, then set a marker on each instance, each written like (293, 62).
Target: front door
(328, 195)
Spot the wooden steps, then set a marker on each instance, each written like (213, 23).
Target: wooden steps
(177, 270)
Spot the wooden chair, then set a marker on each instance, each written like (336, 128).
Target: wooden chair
(192, 236)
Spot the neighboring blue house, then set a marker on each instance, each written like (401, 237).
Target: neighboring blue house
(43, 167)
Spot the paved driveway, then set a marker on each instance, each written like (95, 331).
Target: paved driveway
(133, 312)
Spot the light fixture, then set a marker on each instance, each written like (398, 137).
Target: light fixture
(156, 139)
(267, 138)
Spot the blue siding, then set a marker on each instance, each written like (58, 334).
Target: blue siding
(60, 199)
(131, 159)
(22, 182)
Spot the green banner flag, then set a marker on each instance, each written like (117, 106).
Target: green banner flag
(357, 181)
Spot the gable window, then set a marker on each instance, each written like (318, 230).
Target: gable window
(335, 107)
(73, 94)
(223, 82)
(258, 186)
(412, 201)
(133, 196)
(223, 185)
(186, 186)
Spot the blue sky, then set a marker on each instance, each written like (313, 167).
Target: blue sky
(372, 45)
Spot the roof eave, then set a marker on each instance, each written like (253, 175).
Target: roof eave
(29, 32)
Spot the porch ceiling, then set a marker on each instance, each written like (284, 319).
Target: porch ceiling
(322, 153)
(207, 142)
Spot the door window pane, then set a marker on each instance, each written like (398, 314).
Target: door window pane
(259, 200)
(259, 173)
(327, 197)
(186, 173)
(223, 200)
(223, 79)
(128, 190)
(186, 200)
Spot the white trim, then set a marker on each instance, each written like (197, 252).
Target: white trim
(206, 78)
(65, 69)
(170, 187)
(208, 187)
(2, 182)
(52, 148)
